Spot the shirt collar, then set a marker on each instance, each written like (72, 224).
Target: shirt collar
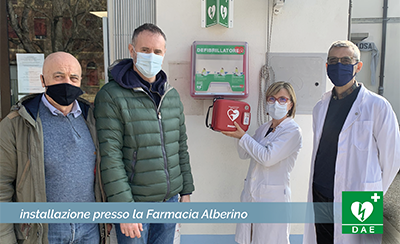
(345, 93)
(75, 111)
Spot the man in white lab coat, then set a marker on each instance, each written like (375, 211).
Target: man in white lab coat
(356, 145)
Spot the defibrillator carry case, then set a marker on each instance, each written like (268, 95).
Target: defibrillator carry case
(225, 112)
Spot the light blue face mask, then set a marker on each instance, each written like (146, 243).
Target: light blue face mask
(149, 64)
(276, 110)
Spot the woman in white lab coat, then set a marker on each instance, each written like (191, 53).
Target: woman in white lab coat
(273, 151)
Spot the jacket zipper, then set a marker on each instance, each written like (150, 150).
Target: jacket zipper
(25, 228)
(133, 165)
(163, 145)
(28, 163)
(164, 155)
(40, 233)
(161, 137)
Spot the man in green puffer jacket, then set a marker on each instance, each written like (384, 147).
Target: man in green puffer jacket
(142, 135)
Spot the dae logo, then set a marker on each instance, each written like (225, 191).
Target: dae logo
(362, 212)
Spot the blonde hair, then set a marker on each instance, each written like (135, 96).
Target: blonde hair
(274, 88)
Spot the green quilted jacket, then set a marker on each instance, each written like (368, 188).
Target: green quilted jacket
(143, 148)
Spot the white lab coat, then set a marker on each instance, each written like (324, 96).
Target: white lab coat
(368, 156)
(272, 160)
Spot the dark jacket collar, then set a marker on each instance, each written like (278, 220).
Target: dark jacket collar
(31, 104)
(123, 73)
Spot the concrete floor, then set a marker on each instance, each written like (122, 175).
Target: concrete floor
(391, 213)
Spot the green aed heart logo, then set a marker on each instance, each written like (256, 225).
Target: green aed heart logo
(211, 11)
(224, 12)
(362, 212)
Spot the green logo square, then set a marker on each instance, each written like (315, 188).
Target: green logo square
(362, 212)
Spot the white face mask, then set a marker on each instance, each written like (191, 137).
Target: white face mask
(149, 64)
(276, 110)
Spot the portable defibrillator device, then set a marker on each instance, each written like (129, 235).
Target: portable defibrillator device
(225, 112)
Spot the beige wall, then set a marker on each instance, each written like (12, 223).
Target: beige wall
(307, 26)
(374, 9)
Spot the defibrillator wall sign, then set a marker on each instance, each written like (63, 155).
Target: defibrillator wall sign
(217, 12)
(219, 69)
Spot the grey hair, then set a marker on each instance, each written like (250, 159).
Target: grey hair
(348, 44)
(147, 27)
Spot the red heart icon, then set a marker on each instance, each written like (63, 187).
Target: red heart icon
(239, 50)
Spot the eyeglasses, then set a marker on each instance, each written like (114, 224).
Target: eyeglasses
(281, 100)
(343, 60)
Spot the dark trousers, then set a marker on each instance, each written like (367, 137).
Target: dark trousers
(323, 218)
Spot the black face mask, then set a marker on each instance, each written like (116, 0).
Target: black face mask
(64, 93)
